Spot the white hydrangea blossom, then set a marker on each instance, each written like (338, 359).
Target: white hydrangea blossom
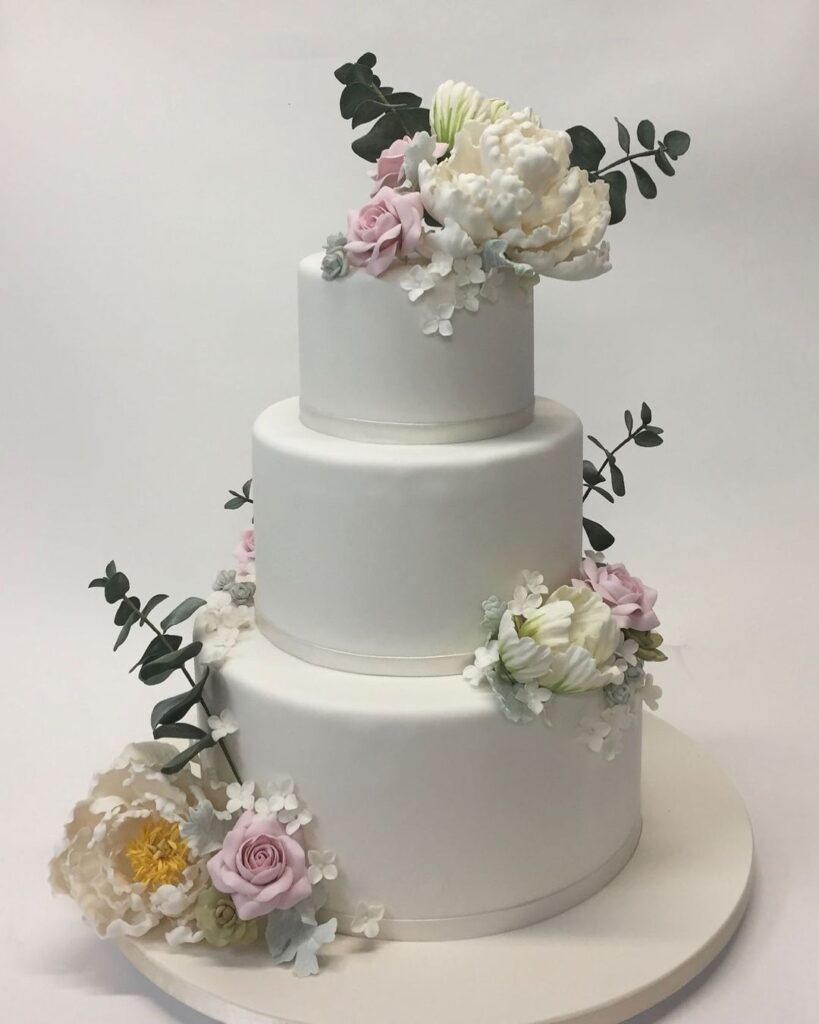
(485, 659)
(240, 796)
(367, 919)
(322, 865)
(223, 724)
(439, 320)
(417, 281)
(220, 622)
(524, 602)
(277, 795)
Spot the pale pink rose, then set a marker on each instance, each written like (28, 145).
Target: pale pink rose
(630, 600)
(260, 867)
(387, 227)
(246, 549)
(389, 168)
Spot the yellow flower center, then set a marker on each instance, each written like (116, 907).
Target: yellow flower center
(158, 855)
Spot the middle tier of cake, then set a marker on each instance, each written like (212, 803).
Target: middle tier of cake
(376, 558)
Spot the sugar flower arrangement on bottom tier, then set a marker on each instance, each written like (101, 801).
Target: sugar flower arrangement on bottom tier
(594, 635)
(160, 845)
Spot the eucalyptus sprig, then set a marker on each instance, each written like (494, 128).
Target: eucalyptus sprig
(237, 500)
(164, 655)
(588, 151)
(364, 99)
(646, 435)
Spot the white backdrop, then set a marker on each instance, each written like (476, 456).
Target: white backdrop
(163, 166)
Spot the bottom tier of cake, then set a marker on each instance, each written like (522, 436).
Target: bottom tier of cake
(458, 821)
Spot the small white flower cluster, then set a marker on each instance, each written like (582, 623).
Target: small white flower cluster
(367, 919)
(541, 644)
(220, 623)
(276, 798)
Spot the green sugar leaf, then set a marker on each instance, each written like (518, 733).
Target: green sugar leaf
(645, 134)
(181, 612)
(587, 149)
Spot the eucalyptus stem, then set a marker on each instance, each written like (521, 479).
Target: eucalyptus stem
(604, 464)
(628, 158)
(146, 621)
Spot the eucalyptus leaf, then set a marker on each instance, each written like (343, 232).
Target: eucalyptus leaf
(110, 569)
(645, 183)
(116, 587)
(98, 582)
(246, 488)
(126, 610)
(623, 136)
(178, 763)
(618, 185)
(664, 164)
(151, 604)
(599, 537)
(599, 444)
(233, 503)
(629, 420)
(591, 474)
(132, 619)
(652, 429)
(645, 134)
(587, 149)
(182, 612)
(158, 670)
(158, 645)
(645, 414)
(676, 143)
(173, 709)
(602, 492)
(382, 135)
(647, 439)
(179, 731)
(618, 483)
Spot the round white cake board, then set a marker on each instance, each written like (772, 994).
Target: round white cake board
(659, 923)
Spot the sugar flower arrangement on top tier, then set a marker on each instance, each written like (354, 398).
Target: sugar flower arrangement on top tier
(471, 195)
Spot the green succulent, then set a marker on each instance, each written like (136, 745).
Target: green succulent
(216, 916)
(648, 644)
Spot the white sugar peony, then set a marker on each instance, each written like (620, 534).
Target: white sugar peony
(511, 179)
(124, 859)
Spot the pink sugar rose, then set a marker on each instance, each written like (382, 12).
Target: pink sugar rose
(246, 549)
(260, 867)
(387, 227)
(389, 168)
(630, 600)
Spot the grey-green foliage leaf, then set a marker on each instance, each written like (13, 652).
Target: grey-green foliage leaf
(173, 709)
(125, 610)
(132, 619)
(629, 420)
(183, 611)
(205, 829)
(178, 763)
(158, 645)
(234, 503)
(664, 164)
(151, 604)
(505, 688)
(618, 483)
(179, 731)
(618, 184)
(493, 257)
(623, 136)
(116, 587)
(602, 492)
(647, 439)
(591, 474)
(645, 134)
(645, 414)
(158, 670)
(246, 487)
(645, 183)
(599, 444)
(98, 582)
(599, 537)
(110, 569)
(676, 143)
(587, 149)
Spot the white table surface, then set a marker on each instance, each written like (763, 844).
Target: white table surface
(163, 167)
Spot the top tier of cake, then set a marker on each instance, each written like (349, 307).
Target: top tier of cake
(368, 373)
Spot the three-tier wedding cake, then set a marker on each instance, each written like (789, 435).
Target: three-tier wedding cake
(472, 759)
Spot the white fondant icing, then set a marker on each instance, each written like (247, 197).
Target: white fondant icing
(366, 366)
(386, 551)
(460, 822)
